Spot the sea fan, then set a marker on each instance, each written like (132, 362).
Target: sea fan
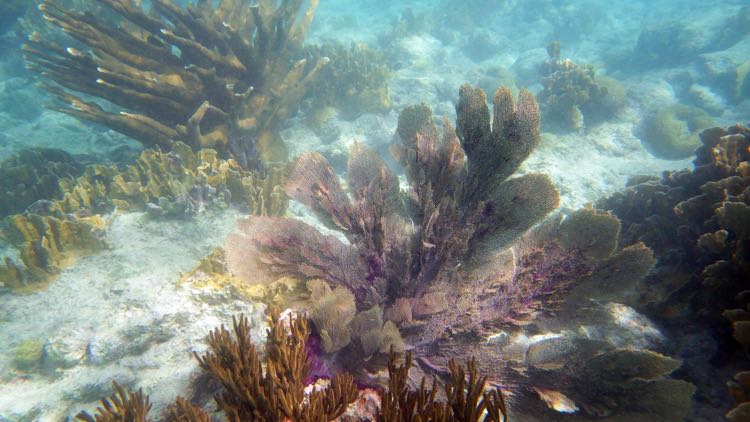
(461, 265)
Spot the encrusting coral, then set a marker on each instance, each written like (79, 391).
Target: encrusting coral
(450, 268)
(573, 96)
(222, 76)
(277, 387)
(698, 223)
(50, 234)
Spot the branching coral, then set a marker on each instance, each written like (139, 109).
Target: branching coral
(573, 95)
(251, 392)
(697, 223)
(123, 405)
(450, 262)
(466, 400)
(179, 183)
(219, 76)
(276, 390)
(272, 389)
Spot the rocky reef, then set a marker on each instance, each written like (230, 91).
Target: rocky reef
(697, 223)
(222, 76)
(451, 268)
(50, 233)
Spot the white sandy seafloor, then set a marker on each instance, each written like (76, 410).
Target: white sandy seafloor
(121, 314)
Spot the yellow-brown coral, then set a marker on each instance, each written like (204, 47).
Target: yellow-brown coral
(221, 75)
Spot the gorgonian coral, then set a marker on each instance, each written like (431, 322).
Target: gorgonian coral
(457, 265)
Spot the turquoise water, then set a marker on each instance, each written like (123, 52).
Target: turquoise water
(108, 208)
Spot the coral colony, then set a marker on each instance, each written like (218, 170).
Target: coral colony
(221, 77)
(449, 268)
(460, 293)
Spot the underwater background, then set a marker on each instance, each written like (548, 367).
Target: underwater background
(583, 232)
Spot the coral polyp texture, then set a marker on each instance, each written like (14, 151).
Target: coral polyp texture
(467, 262)
(49, 234)
(219, 75)
(698, 223)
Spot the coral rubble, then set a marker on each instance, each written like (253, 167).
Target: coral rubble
(49, 234)
(452, 268)
(697, 223)
(573, 96)
(222, 76)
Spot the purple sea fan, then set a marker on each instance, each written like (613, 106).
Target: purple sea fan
(450, 263)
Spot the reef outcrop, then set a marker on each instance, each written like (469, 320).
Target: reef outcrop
(451, 267)
(697, 222)
(673, 133)
(221, 76)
